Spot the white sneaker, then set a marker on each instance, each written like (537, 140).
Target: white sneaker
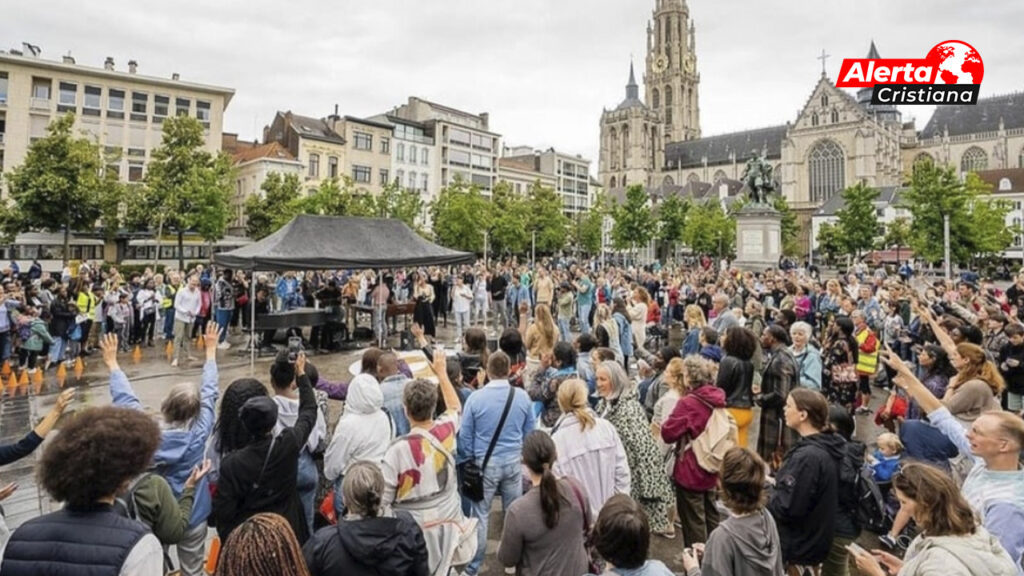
(174, 363)
(224, 345)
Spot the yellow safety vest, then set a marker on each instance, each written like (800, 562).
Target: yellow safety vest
(168, 300)
(867, 364)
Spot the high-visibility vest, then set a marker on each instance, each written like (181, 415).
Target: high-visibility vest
(168, 296)
(867, 363)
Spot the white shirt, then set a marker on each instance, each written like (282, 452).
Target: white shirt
(145, 559)
(186, 304)
(462, 298)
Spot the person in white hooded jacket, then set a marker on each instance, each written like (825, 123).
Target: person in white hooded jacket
(363, 433)
(951, 542)
(286, 396)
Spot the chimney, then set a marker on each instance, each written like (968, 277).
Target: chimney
(133, 66)
(67, 59)
(108, 64)
(486, 119)
(175, 76)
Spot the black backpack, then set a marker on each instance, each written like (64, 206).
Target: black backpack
(871, 514)
(125, 504)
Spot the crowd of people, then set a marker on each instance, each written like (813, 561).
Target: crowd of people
(730, 413)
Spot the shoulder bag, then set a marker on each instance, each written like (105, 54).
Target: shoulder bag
(471, 476)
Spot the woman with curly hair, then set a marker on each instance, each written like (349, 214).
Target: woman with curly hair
(96, 454)
(263, 545)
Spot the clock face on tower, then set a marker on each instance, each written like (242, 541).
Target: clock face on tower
(660, 63)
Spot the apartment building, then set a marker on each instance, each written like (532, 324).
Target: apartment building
(569, 174)
(122, 110)
(367, 159)
(310, 141)
(253, 162)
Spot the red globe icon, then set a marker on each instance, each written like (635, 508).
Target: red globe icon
(956, 62)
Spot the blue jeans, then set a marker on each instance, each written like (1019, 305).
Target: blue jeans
(339, 500)
(926, 443)
(504, 477)
(306, 485)
(585, 318)
(5, 345)
(563, 329)
(223, 319)
(168, 323)
(56, 350)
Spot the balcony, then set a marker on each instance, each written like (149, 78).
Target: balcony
(39, 104)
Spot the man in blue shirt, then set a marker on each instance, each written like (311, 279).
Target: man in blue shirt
(480, 418)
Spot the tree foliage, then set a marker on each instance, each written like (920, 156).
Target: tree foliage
(507, 231)
(672, 221)
(709, 229)
(62, 185)
(977, 223)
(546, 218)
(279, 203)
(590, 226)
(857, 220)
(790, 228)
(829, 241)
(897, 234)
(461, 215)
(634, 223)
(398, 203)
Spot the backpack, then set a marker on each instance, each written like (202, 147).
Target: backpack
(871, 512)
(125, 504)
(719, 436)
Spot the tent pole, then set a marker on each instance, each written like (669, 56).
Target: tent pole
(252, 324)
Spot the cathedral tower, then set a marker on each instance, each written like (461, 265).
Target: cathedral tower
(671, 82)
(631, 146)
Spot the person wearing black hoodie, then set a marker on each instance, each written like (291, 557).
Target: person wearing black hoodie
(805, 500)
(262, 476)
(847, 524)
(370, 539)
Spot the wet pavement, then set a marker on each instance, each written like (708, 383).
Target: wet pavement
(151, 376)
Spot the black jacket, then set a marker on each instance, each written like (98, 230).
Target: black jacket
(805, 500)
(1014, 375)
(238, 498)
(369, 546)
(736, 377)
(847, 524)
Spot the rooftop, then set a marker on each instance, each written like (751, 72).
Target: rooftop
(719, 149)
(271, 150)
(985, 116)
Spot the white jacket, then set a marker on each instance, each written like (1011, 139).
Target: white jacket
(595, 458)
(364, 430)
(978, 554)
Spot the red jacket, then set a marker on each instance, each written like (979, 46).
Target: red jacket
(686, 422)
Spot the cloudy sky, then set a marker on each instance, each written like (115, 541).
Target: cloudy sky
(544, 69)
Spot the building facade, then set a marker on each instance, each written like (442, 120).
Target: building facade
(312, 142)
(122, 110)
(253, 163)
(414, 156)
(367, 158)
(567, 174)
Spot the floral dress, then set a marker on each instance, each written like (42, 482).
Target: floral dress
(837, 354)
(650, 485)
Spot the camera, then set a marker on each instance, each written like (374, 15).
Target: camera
(294, 347)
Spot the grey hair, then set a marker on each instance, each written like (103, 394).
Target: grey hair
(363, 490)
(857, 314)
(802, 327)
(719, 297)
(181, 406)
(617, 375)
(698, 371)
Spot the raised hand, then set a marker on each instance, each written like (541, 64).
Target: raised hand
(108, 345)
(198, 472)
(6, 491)
(210, 338)
(63, 400)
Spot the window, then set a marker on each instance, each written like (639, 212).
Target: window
(824, 99)
(91, 106)
(41, 88)
(719, 175)
(923, 158)
(332, 166)
(814, 119)
(835, 116)
(203, 112)
(182, 106)
(481, 161)
(412, 180)
(655, 99)
(1020, 159)
(385, 145)
(115, 103)
(3, 87)
(458, 158)
(314, 166)
(484, 182)
(383, 176)
(973, 160)
(827, 170)
(400, 152)
(399, 176)
(361, 174)
(481, 142)
(424, 181)
(412, 154)
(161, 106)
(424, 156)
(364, 141)
(134, 171)
(457, 136)
(68, 97)
(140, 106)
(137, 152)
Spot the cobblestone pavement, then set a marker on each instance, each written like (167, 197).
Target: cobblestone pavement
(152, 375)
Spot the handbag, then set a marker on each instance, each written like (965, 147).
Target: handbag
(592, 565)
(471, 476)
(845, 374)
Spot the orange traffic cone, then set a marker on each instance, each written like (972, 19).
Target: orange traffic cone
(37, 382)
(137, 354)
(23, 380)
(12, 384)
(170, 350)
(200, 344)
(62, 374)
(6, 370)
(79, 368)
(213, 556)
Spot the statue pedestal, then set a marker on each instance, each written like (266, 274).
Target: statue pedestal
(758, 238)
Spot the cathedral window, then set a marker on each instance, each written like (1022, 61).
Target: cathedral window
(668, 116)
(973, 160)
(719, 175)
(1020, 159)
(826, 166)
(835, 115)
(611, 183)
(668, 95)
(824, 100)
(692, 178)
(668, 181)
(814, 119)
(625, 146)
(655, 98)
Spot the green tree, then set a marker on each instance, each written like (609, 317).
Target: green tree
(589, 226)
(857, 220)
(991, 235)
(461, 215)
(790, 229)
(672, 221)
(897, 235)
(398, 203)
(61, 186)
(546, 218)
(509, 216)
(634, 223)
(187, 186)
(279, 203)
(829, 242)
(334, 197)
(709, 229)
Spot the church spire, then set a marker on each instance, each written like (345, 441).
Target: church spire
(632, 90)
(873, 52)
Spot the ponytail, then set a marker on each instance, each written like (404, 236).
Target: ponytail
(549, 497)
(572, 399)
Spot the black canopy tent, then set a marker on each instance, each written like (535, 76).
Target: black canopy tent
(332, 242)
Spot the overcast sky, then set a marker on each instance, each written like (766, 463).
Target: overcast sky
(544, 69)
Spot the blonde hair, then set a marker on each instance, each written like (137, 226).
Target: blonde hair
(675, 375)
(545, 326)
(694, 317)
(572, 399)
(891, 441)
